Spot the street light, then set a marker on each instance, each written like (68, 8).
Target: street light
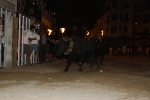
(87, 33)
(62, 30)
(102, 33)
(49, 31)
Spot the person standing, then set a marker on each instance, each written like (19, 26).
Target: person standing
(50, 49)
(35, 44)
(147, 51)
(124, 50)
(43, 47)
(110, 51)
(2, 41)
(27, 40)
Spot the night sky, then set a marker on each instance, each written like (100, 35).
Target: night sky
(76, 12)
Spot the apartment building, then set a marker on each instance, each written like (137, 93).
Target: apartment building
(124, 18)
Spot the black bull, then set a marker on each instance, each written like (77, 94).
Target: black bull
(80, 49)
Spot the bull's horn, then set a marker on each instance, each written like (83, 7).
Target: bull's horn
(56, 41)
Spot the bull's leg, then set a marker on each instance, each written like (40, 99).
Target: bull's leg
(68, 65)
(97, 62)
(91, 61)
(80, 66)
(102, 59)
(102, 53)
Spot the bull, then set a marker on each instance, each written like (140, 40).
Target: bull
(99, 55)
(77, 49)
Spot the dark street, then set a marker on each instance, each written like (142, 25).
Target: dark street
(120, 78)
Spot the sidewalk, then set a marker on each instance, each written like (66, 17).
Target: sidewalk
(45, 67)
(59, 65)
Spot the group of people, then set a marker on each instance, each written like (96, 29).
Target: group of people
(34, 8)
(139, 51)
(31, 42)
(48, 48)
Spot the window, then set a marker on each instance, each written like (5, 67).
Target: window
(126, 5)
(145, 18)
(145, 31)
(126, 18)
(120, 17)
(107, 30)
(135, 31)
(113, 29)
(107, 20)
(115, 4)
(119, 29)
(146, 4)
(137, 7)
(125, 29)
(114, 17)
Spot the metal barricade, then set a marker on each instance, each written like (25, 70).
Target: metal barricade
(24, 24)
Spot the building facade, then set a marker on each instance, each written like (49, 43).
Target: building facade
(124, 18)
(8, 10)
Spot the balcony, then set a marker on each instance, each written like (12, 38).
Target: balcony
(10, 5)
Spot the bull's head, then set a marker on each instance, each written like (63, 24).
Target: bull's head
(62, 46)
(96, 41)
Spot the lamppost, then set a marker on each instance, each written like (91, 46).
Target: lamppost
(87, 34)
(133, 43)
(134, 23)
(62, 30)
